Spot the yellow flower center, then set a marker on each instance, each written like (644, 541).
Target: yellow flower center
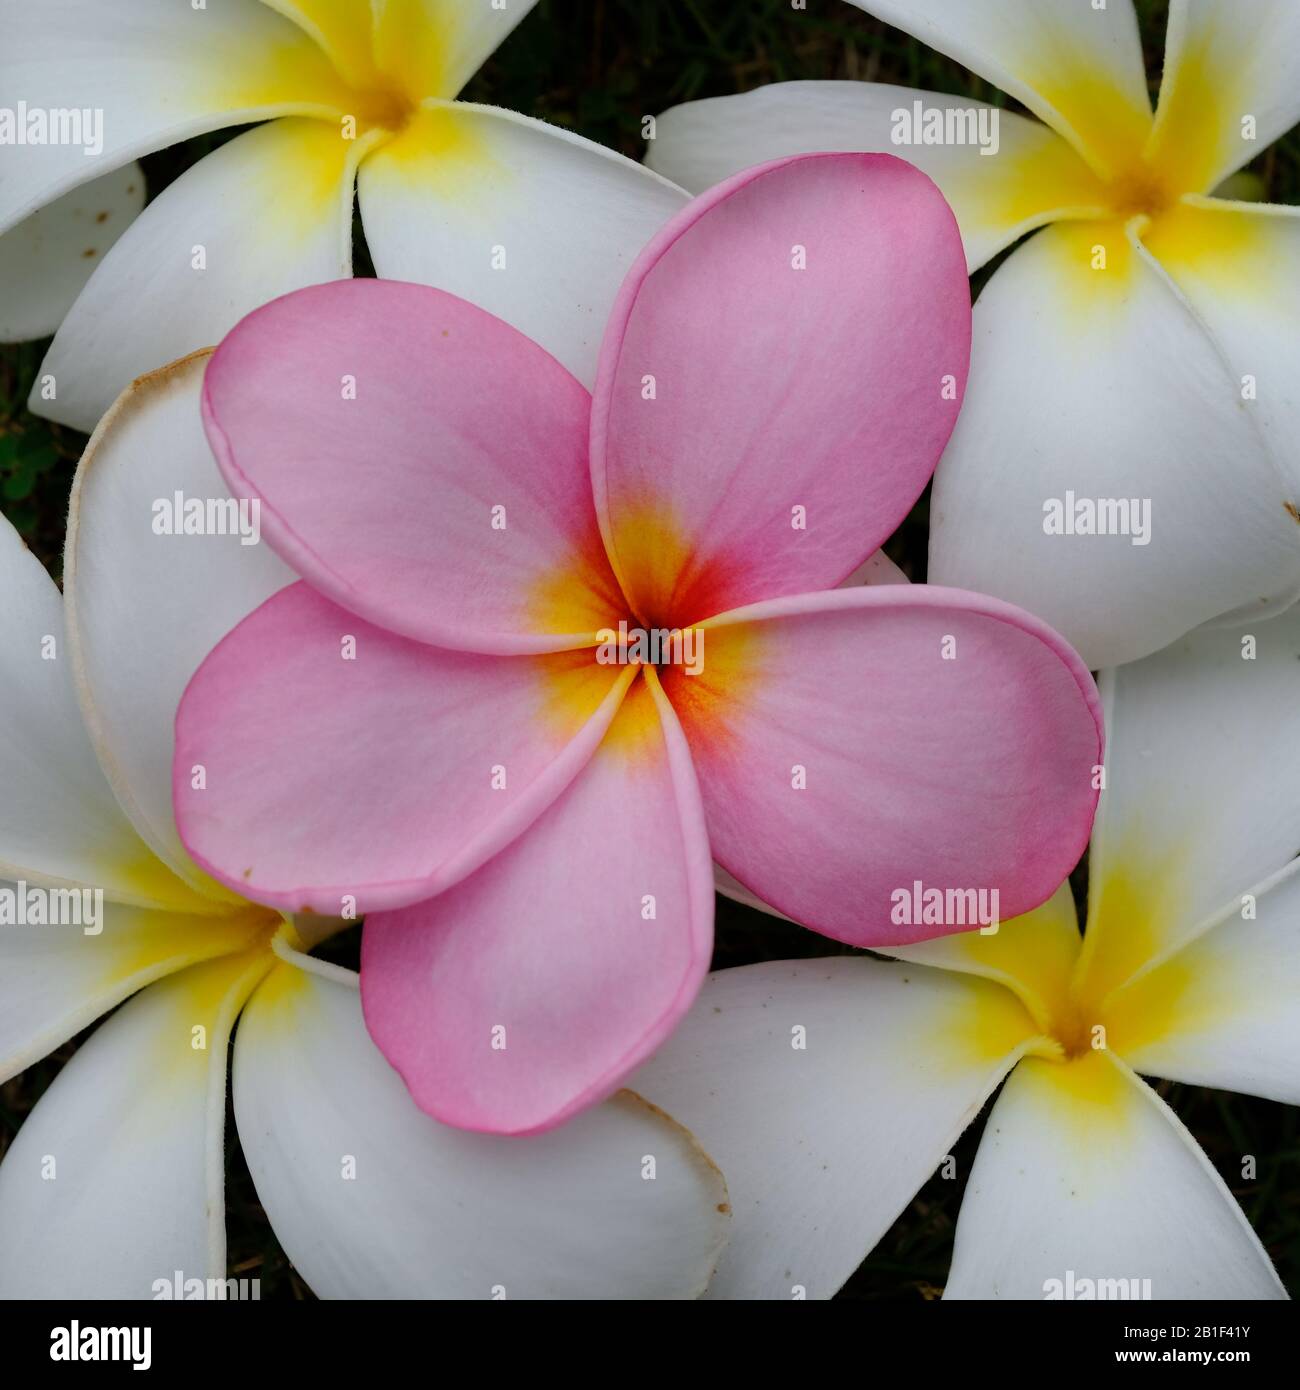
(383, 108)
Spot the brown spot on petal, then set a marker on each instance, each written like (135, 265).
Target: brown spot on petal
(1292, 511)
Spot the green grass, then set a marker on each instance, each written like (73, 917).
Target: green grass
(597, 67)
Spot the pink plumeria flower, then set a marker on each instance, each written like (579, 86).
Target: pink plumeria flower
(1126, 461)
(355, 105)
(831, 1090)
(116, 1179)
(435, 727)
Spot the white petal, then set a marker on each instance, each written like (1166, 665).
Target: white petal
(1029, 178)
(1203, 764)
(1083, 1172)
(1222, 1012)
(59, 822)
(47, 259)
(1238, 264)
(1225, 64)
(533, 224)
(149, 73)
(343, 30)
(1087, 385)
(133, 1128)
(144, 609)
(373, 1199)
(189, 270)
(55, 980)
(435, 46)
(1077, 66)
(828, 1091)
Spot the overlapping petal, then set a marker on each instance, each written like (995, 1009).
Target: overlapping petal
(56, 979)
(891, 735)
(59, 822)
(46, 259)
(1083, 1172)
(418, 1210)
(1077, 66)
(998, 194)
(1094, 387)
(116, 1179)
(144, 604)
(1238, 264)
(767, 410)
(436, 46)
(156, 72)
(1231, 85)
(529, 990)
(1221, 1012)
(189, 270)
(829, 1091)
(418, 461)
(1184, 829)
(528, 221)
(344, 769)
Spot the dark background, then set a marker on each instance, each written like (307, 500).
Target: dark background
(597, 67)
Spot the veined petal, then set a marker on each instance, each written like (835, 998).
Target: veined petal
(1231, 86)
(829, 1090)
(530, 990)
(435, 46)
(1201, 804)
(55, 980)
(1025, 177)
(425, 1211)
(145, 601)
(188, 270)
(46, 259)
(780, 374)
(419, 462)
(1078, 67)
(345, 769)
(1238, 264)
(832, 729)
(59, 823)
(142, 75)
(1222, 1011)
(134, 1126)
(1084, 1173)
(528, 221)
(1103, 438)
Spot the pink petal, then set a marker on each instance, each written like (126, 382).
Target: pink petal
(450, 500)
(550, 942)
(776, 388)
(326, 778)
(974, 772)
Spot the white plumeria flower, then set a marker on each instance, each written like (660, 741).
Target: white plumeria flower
(831, 1089)
(1144, 348)
(521, 218)
(115, 1180)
